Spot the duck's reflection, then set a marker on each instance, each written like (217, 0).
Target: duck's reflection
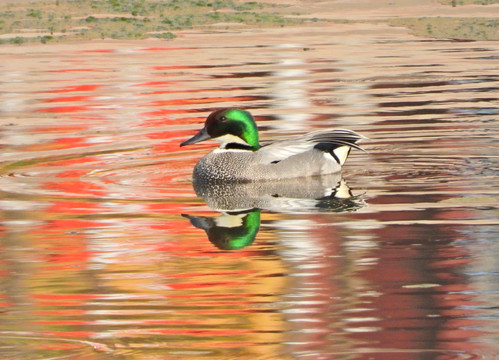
(241, 205)
(229, 231)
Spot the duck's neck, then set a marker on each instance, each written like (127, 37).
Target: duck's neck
(244, 129)
(237, 146)
(250, 138)
(232, 142)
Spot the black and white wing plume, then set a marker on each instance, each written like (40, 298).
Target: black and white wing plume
(337, 142)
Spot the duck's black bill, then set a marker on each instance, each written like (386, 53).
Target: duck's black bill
(200, 136)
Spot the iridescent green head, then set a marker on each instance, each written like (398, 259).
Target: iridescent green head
(232, 127)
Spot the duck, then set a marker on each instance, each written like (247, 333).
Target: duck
(242, 158)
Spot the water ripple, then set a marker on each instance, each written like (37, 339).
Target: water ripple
(98, 262)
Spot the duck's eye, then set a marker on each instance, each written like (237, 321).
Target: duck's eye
(223, 118)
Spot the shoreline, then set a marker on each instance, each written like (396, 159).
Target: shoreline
(63, 22)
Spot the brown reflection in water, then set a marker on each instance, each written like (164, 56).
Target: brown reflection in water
(416, 274)
(94, 249)
(397, 290)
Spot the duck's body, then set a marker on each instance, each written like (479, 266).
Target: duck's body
(241, 158)
(295, 157)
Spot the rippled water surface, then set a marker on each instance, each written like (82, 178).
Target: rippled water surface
(106, 252)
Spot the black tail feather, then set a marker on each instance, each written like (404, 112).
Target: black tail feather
(328, 141)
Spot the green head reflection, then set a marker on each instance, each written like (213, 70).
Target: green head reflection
(229, 231)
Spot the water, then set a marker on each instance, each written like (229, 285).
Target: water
(103, 252)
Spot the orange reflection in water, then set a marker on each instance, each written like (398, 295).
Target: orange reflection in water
(163, 278)
(94, 248)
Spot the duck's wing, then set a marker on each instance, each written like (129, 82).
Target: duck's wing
(323, 140)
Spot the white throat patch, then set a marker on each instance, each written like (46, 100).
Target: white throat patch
(229, 138)
(230, 221)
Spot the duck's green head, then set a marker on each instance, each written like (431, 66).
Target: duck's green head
(232, 127)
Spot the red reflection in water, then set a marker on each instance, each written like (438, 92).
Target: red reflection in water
(210, 289)
(170, 208)
(167, 135)
(66, 109)
(76, 88)
(60, 346)
(76, 187)
(156, 83)
(69, 98)
(75, 207)
(161, 112)
(73, 173)
(71, 143)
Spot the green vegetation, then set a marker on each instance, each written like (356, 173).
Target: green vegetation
(54, 20)
(49, 20)
(451, 28)
(468, 2)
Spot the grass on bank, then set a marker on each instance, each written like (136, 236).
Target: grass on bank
(468, 2)
(451, 28)
(43, 21)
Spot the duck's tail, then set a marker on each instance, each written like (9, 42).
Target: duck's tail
(338, 143)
